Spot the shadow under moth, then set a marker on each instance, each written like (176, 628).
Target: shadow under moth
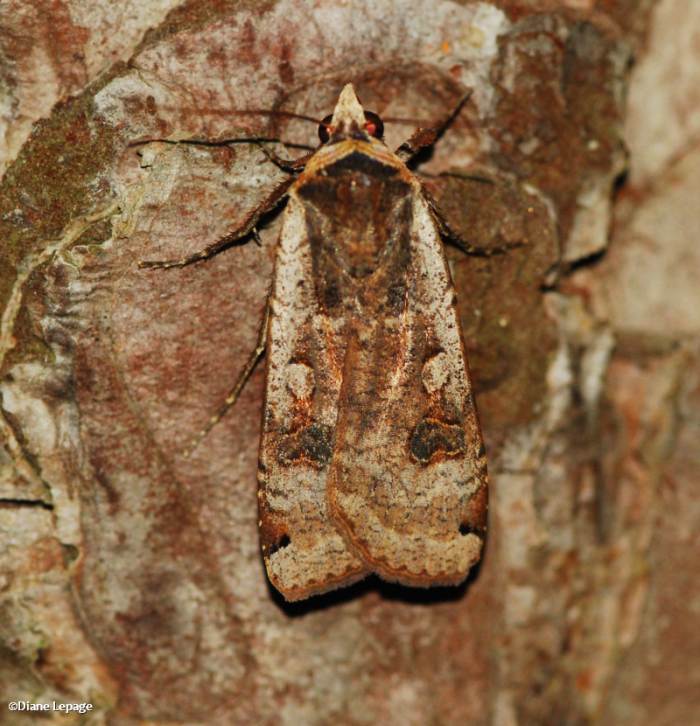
(371, 457)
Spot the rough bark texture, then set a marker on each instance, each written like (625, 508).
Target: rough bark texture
(130, 576)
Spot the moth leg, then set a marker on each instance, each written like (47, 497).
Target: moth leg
(449, 234)
(247, 227)
(422, 138)
(235, 392)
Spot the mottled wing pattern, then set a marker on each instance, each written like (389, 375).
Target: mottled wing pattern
(304, 552)
(407, 481)
(371, 458)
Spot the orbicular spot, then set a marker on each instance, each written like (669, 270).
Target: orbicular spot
(435, 372)
(310, 445)
(300, 380)
(432, 437)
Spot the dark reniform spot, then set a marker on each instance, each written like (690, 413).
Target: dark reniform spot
(431, 437)
(311, 444)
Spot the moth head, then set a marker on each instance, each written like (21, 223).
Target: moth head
(350, 120)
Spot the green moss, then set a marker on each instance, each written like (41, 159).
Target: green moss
(55, 178)
(59, 174)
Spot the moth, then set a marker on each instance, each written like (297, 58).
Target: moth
(371, 455)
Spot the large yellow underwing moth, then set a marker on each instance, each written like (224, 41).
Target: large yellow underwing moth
(371, 457)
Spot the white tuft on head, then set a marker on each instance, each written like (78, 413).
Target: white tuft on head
(348, 110)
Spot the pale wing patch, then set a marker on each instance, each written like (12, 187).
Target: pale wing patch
(436, 372)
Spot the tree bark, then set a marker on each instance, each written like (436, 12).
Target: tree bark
(130, 576)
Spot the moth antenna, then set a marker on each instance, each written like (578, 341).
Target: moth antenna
(283, 114)
(249, 139)
(220, 142)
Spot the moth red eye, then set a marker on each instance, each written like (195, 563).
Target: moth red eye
(374, 126)
(325, 129)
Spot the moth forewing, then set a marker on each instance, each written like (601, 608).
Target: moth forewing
(304, 553)
(407, 482)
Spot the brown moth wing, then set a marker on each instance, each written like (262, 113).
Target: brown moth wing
(407, 482)
(303, 551)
